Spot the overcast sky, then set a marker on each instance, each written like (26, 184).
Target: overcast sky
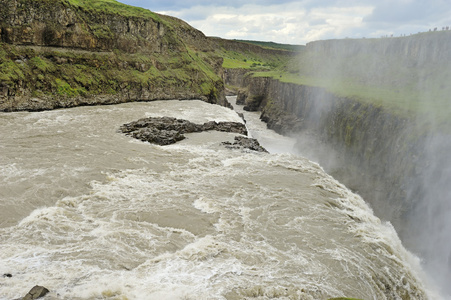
(299, 22)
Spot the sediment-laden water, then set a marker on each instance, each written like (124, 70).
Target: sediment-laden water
(90, 213)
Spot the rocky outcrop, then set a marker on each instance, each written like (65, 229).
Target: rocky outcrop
(64, 53)
(166, 130)
(98, 26)
(241, 96)
(242, 142)
(235, 77)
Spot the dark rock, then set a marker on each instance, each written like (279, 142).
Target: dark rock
(226, 103)
(242, 117)
(242, 142)
(165, 130)
(156, 136)
(8, 275)
(209, 126)
(36, 292)
(253, 102)
(241, 97)
(3, 90)
(234, 127)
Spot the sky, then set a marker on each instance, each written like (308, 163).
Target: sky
(300, 22)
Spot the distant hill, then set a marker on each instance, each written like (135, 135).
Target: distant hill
(273, 45)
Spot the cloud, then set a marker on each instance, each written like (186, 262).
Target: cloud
(408, 16)
(302, 21)
(177, 5)
(288, 23)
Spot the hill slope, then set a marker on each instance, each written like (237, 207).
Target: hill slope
(62, 53)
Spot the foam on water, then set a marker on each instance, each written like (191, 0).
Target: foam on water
(202, 112)
(192, 220)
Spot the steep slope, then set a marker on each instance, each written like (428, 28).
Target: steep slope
(62, 53)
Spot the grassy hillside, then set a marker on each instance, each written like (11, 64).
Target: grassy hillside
(111, 6)
(251, 61)
(60, 49)
(81, 73)
(272, 45)
(251, 56)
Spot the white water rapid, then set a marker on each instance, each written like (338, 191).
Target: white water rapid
(90, 213)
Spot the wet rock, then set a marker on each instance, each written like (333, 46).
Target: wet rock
(241, 96)
(36, 292)
(253, 103)
(242, 142)
(162, 123)
(156, 136)
(242, 117)
(231, 127)
(165, 130)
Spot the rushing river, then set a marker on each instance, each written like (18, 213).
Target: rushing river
(90, 213)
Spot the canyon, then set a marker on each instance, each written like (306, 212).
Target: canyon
(372, 112)
(390, 149)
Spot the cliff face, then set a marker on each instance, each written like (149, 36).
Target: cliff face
(382, 156)
(424, 48)
(55, 23)
(81, 25)
(57, 53)
(361, 136)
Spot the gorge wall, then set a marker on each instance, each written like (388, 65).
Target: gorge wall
(424, 48)
(360, 136)
(56, 53)
(399, 163)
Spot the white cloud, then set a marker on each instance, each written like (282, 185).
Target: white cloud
(299, 22)
(283, 23)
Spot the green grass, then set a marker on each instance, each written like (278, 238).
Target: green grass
(42, 64)
(114, 7)
(72, 74)
(272, 45)
(251, 61)
(404, 102)
(233, 63)
(395, 83)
